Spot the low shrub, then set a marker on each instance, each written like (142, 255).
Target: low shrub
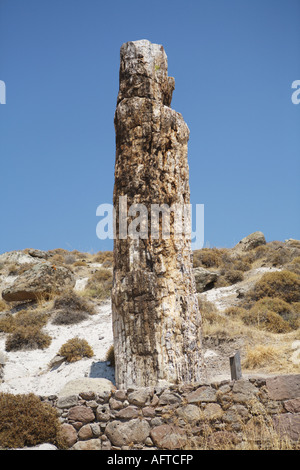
(282, 284)
(70, 258)
(69, 317)
(260, 356)
(288, 312)
(30, 318)
(106, 258)
(206, 307)
(294, 266)
(267, 320)
(233, 276)
(236, 312)
(27, 337)
(80, 263)
(275, 304)
(27, 421)
(56, 258)
(264, 315)
(110, 356)
(99, 284)
(207, 257)
(296, 311)
(9, 323)
(75, 349)
(3, 306)
(70, 301)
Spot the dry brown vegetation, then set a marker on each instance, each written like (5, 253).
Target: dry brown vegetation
(72, 301)
(105, 258)
(265, 322)
(110, 356)
(3, 306)
(75, 349)
(99, 284)
(27, 337)
(26, 421)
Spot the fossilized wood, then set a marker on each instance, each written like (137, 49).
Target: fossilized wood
(156, 321)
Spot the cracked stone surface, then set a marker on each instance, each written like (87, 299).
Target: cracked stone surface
(156, 320)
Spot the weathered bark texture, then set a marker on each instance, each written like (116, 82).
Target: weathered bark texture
(156, 321)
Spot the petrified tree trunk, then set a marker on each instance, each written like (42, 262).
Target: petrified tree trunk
(156, 321)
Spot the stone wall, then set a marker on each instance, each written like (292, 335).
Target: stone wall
(228, 414)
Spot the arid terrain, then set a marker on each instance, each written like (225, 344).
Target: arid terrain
(249, 298)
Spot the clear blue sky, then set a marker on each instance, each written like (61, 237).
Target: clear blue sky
(233, 61)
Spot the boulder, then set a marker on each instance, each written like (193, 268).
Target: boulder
(40, 280)
(203, 394)
(123, 433)
(168, 437)
(38, 253)
(17, 257)
(250, 242)
(81, 414)
(288, 424)
(91, 444)
(205, 279)
(140, 396)
(39, 447)
(189, 413)
(283, 387)
(68, 434)
(87, 384)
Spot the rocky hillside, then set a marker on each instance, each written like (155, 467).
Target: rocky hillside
(55, 314)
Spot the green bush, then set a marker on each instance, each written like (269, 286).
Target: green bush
(26, 421)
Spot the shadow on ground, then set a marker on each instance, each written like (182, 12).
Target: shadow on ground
(102, 369)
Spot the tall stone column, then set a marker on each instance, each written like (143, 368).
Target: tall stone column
(156, 321)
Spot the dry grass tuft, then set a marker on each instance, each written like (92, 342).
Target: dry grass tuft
(261, 356)
(110, 356)
(75, 349)
(71, 302)
(99, 284)
(26, 421)
(3, 306)
(284, 285)
(27, 337)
